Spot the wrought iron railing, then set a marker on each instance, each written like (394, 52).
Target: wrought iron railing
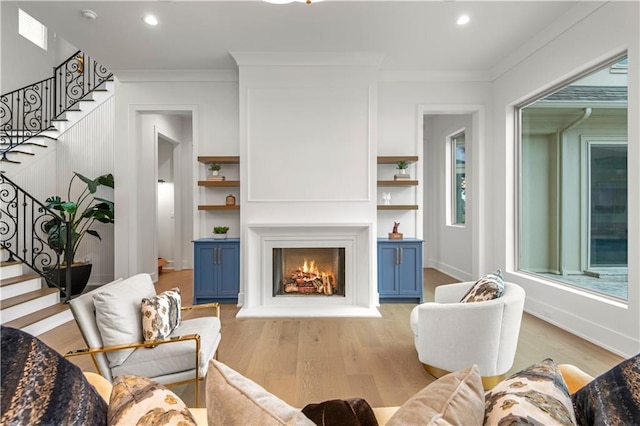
(24, 222)
(31, 110)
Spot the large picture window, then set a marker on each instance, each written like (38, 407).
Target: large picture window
(573, 182)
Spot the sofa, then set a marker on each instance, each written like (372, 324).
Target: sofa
(40, 386)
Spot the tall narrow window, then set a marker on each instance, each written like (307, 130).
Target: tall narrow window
(31, 29)
(573, 183)
(458, 178)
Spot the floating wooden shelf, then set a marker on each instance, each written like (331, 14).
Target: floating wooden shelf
(398, 207)
(397, 183)
(396, 158)
(222, 207)
(218, 183)
(220, 159)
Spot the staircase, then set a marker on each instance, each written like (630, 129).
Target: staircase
(31, 118)
(27, 303)
(35, 115)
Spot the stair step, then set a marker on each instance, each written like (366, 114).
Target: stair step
(38, 316)
(10, 263)
(59, 119)
(26, 297)
(15, 280)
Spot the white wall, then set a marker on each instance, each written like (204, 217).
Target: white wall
(214, 110)
(449, 245)
(23, 62)
(608, 31)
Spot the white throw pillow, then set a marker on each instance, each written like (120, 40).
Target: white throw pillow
(118, 313)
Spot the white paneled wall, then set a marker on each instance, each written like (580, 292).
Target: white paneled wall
(87, 148)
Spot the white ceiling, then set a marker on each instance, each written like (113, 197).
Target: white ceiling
(412, 35)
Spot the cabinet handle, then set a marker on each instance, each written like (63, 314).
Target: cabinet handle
(215, 255)
(218, 255)
(397, 257)
(400, 250)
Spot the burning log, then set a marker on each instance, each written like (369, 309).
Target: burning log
(304, 282)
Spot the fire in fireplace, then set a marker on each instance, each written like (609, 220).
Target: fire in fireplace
(308, 271)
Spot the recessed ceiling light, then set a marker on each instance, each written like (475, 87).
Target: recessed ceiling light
(463, 20)
(89, 14)
(150, 20)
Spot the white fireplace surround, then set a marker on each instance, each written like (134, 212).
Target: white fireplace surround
(360, 292)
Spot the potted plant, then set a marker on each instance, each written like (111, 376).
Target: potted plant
(402, 167)
(220, 232)
(215, 168)
(81, 213)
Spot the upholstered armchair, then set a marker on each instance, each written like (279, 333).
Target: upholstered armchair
(450, 335)
(110, 321)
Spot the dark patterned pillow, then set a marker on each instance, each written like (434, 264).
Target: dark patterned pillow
(142, 401)
(535, 395)
(160, 314)
(612, 398)
(489, 287)
(40, 386)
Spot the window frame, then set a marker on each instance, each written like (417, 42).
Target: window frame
(451, 181)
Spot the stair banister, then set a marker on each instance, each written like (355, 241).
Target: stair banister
(22, 218)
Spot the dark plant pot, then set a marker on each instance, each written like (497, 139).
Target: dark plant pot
(80, 273)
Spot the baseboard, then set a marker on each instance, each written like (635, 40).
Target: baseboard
(450, 270)
(611, 340)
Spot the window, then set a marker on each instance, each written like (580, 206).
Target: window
(458, 177)
(573, 183)
(31, 29)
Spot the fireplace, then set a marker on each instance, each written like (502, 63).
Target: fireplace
(307, 271)
(341, 257)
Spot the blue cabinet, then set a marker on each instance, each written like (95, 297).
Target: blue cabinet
(400, 270)
(216, 273)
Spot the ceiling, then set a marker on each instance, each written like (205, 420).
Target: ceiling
(412, 35)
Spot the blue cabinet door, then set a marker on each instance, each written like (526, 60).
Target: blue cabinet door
(409, 271)
(228, 271)
(204, 271)
(387, 270)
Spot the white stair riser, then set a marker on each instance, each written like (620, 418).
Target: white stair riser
(20, 288)
(29, 307)
(11, 271)
(50, 323)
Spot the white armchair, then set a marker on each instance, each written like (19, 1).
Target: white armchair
(110, 321)
(450, 336)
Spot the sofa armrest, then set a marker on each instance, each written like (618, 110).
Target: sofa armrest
(102, 385)
(574, 377)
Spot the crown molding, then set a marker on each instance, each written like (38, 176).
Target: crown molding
(302, 59)
(132, 76)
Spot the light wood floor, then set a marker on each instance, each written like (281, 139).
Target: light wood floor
(304, 360)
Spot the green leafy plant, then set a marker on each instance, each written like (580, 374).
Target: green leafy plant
(81, 213)
(220, 229)
(402, 165)
(215, 167)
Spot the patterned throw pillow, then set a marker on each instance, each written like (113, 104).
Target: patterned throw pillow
(535, 395)
(489, 287)
(142, 401)
(41, 387)
(160, 315)
(612, 398)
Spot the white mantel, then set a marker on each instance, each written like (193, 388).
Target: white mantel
(308, 147)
